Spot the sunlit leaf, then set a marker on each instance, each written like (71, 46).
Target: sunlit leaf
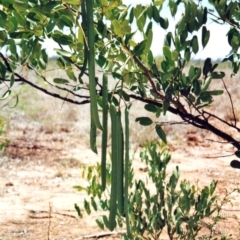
(73, 2)
(63, 52)
(158, 2)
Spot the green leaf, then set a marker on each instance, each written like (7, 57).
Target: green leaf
(6, 95)
(207, 83)
(174, 55)
(156, 15)
(158, 2)
(216, 92)
(187, 55)
(62, 38)
(196, 87)
(3, 17)
(121, 28)
(20, 6)
(100, 223)
(205, 36)
(194, 44)
(218, 75)
(78, 210)
(168, 55)
(71, 74)
(3, 36)
(145, 121)
(62, 52)
(173, 7)
(164, 23)
(148, 42)
(87, 207)
(50, 6)
(237, 153)
(3, 70)
(72, 2)
(139, 49)
(161, 133)
(60, 81)
(66, 21)
(165, 107)
(151, 107)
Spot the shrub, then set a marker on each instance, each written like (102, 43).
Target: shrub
(178, 207)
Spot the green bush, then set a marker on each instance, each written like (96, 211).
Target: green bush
(180, 208)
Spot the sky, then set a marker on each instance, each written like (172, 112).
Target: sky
(217, 47)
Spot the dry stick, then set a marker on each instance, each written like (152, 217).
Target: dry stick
(211, 140)
(41, 211)
(221, 120)
(49, 223)
(100, 235)
(234, 116)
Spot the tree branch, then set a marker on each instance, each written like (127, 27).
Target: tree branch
(20, 78)
(194, 120)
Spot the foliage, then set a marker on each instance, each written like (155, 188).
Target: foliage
(159, 202)
(90, 33)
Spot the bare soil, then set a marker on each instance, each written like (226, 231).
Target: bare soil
(41, 165)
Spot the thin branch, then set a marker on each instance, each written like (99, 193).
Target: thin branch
(229, 95)
(50, 93)
(235, 25)
(60, 88)
(177, 104)
(221, 120)
(194, 120)
(6, 62)
(211, 140)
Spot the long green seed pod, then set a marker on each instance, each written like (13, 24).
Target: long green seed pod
(91, 64)
(113, 194)
(84, 28)
(105, 129)
(120, 164)
(93, 136)
(126, 170)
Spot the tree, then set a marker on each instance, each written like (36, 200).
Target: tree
(101, 33)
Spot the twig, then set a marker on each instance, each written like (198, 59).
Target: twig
(50, 93)
(221, 120)
(100, 235)
(49, 222)
(211, 140)
(42, 211)
(234, 116)
(60, 88)
(194, 120)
